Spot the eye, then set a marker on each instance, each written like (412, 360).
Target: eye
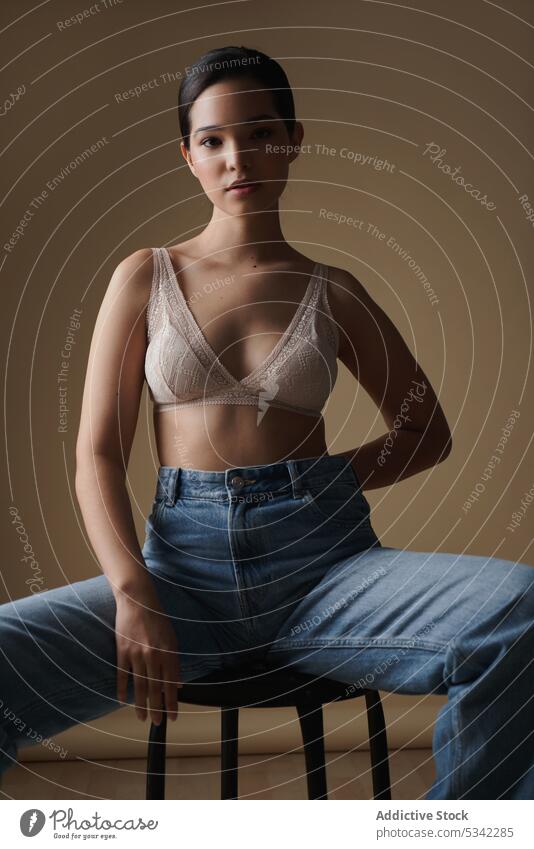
(210, 138)
(264, 130)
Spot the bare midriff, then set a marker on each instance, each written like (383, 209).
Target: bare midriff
(217, 436)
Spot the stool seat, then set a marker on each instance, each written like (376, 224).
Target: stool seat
(259, 686)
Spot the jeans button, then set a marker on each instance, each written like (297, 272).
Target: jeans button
(237, 481)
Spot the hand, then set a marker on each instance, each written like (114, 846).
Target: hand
(146, 644)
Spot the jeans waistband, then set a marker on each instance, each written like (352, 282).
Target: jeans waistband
(291, 476)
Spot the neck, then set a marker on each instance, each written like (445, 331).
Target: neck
(254, 237)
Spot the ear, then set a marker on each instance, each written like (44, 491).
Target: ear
(296, 140)
(187, 156)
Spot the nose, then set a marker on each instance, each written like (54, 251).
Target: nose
(238, 158)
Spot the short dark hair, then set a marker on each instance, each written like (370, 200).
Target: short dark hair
(224, 62)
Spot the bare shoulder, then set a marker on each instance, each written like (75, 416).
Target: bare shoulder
(342, 284)
(135, 273)
(347, 298)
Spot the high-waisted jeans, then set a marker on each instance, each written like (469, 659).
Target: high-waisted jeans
(278, 564)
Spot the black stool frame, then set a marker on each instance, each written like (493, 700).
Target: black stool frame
(274, 689)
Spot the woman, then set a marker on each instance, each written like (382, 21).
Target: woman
(259, 545)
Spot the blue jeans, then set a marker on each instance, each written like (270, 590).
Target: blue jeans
(279, 564)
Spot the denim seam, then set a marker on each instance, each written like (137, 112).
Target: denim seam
(228, 499)
(353, 643)
(241, 598)
(457, 760)
(456, 783)
(201, 497)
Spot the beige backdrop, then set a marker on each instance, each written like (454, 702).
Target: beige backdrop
(388, 97)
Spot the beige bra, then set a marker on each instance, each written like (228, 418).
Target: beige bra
(182, 369)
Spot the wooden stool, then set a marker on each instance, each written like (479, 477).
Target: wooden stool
(274, 688)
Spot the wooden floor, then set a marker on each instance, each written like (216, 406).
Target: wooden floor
(269, 776)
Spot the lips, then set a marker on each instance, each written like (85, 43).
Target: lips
(245, 185)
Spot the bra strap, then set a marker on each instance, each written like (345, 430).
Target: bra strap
(154, 292)
(326, 304)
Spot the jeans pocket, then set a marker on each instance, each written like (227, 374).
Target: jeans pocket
(152, 521)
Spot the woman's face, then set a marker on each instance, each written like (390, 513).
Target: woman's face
(248, 140)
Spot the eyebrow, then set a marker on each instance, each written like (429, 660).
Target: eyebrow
(264, 117)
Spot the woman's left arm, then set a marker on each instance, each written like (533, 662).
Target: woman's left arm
(370, 345)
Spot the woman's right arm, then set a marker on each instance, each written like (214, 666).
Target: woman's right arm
(110, 408)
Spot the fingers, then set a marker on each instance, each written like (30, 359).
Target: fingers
(154, 688)
(123, 667)
(163, 672)
(171, 683)
(140, 686)
(155, 675)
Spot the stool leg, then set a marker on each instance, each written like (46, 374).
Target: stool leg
(155, 778)
(311, 726)
(229, 752)
(378, 745)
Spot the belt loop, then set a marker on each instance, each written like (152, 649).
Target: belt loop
(296, 480)
(172, 487)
